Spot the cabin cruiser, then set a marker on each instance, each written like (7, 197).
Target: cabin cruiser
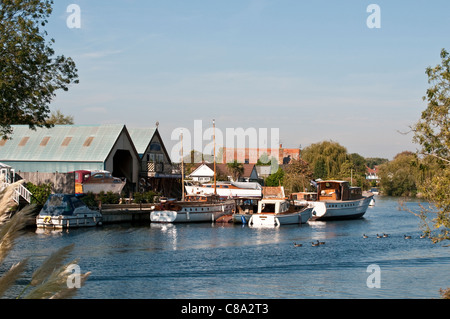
(335, 200)
(97, 181)
(67, 211)
(277, 210)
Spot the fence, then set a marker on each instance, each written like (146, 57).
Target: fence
(62, 182)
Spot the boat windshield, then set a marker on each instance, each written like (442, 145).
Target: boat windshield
(60, 205)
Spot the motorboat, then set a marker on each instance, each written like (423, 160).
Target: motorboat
(276, 210)
(67, 211)
(193, 209)
(335, 200)
(245, 208)
(97, 181)
(226, 189)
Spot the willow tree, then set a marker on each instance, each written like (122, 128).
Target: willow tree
(325, 158)
(432, 132)
(30, 72)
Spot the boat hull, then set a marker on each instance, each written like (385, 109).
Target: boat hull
(62, 222)
(193, 214)
(276, 220)
(340, 210)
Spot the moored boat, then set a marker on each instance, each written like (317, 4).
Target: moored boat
(337, 200)
(194, 209)
(274, 211)
(226, 189)
(96, 182)
(67, 211)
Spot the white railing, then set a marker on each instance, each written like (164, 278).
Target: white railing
(19, 191)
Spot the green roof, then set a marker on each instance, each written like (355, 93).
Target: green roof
(141, 137)
(62, 143)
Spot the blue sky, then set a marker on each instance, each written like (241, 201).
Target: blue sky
(313, 69)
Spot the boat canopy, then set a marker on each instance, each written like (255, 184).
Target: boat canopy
(61, 204)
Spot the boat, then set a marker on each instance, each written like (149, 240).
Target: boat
(335, 200)
(276, 210)
(245, 208)
(227, 189)
(194, 209)
(97, 181)
(67, 211)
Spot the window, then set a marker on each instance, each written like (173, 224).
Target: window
(66, 141)
(44, 141)
(24, 141)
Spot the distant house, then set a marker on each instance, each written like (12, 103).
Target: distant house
(372, 173)
(204, 172)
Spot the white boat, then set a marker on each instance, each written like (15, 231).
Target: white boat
(97, 181)
(276, 211)
(336, 200)
(67, 211)
(227, 189)
(245, 208)
(195, 209)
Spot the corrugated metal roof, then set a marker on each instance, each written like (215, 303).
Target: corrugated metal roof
(62, 143)
(141, 137)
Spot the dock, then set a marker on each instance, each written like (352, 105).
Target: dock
(122, 213)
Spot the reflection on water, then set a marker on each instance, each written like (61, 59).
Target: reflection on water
(235, 261)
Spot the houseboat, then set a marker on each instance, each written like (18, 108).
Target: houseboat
(96, 182)
(67, 211)
(274, 210)
(193, 209)
(335, 200)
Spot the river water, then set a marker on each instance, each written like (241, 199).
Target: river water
(207, 261)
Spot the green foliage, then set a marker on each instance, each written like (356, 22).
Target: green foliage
(147, 197)
(108, 198)
(297, 176)
(275, 179)
(40, 193)
(326, 158)
(432, 131)
(236, 169)
(399, 176)
(30, 73)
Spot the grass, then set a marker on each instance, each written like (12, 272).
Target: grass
(52, 279)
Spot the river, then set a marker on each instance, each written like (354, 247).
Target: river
(215, 261)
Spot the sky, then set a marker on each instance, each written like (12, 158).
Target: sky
(312, 69)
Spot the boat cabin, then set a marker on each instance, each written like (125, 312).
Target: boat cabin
(337, 190)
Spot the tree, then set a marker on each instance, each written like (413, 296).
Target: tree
(326, 158)
(58, 118)
(432, 132)
(236, 169)
(275, 179)
(399, 176)
(30, 73)
(298, 176)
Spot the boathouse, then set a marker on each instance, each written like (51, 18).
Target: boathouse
(66, 148)
(157, 172)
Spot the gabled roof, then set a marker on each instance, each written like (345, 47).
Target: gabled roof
(71, 143)
(141, 138)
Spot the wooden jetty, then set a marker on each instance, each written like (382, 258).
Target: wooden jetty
(121, 213)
